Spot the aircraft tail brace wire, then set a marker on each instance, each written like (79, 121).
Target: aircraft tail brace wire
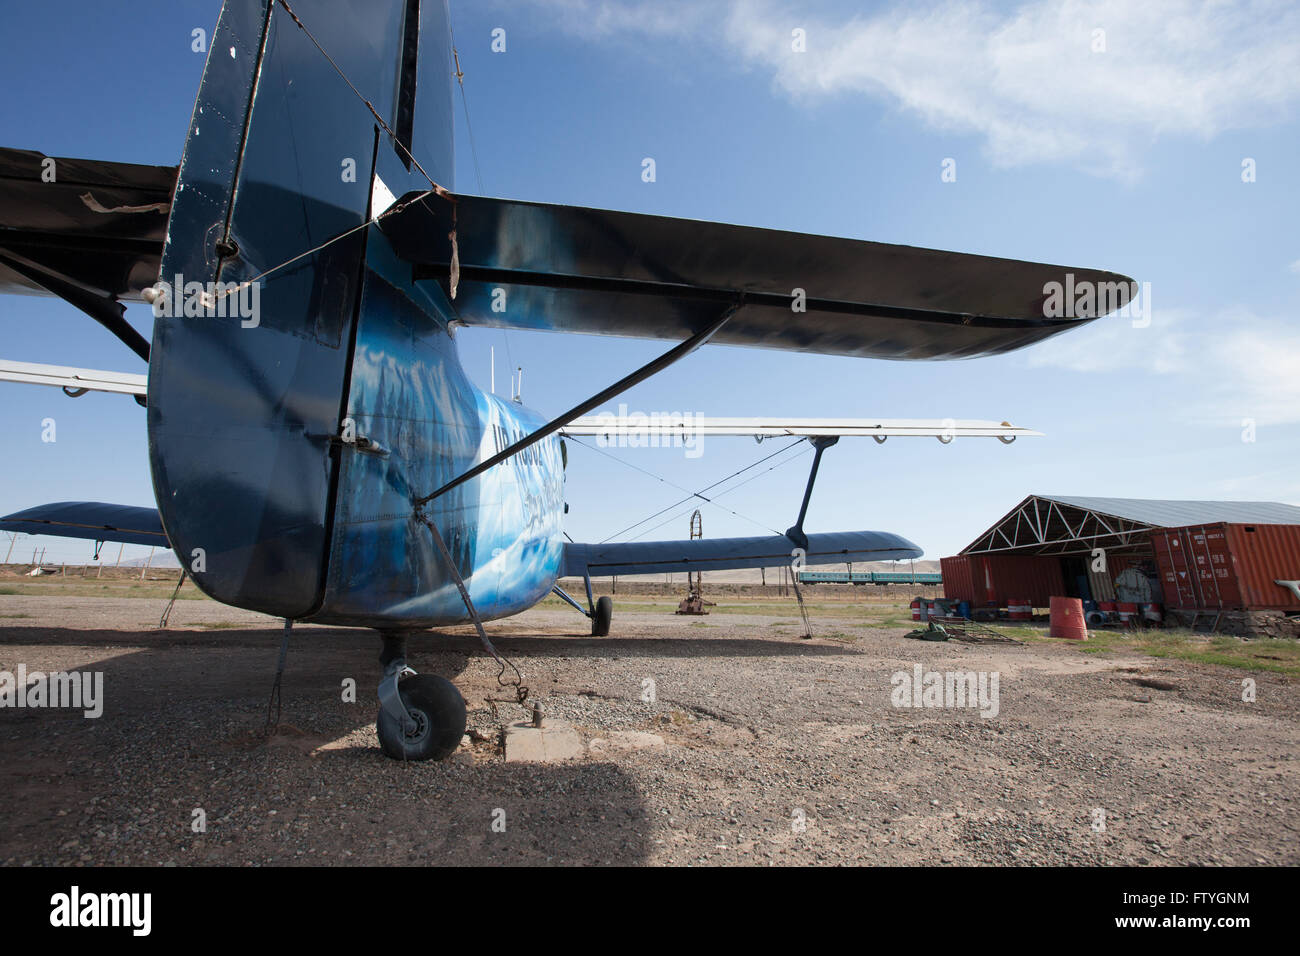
(521, 691)
(167, 611)
(373, 112)
(275, 700)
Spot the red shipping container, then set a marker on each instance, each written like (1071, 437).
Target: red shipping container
(994, 578)
(957, 582)
(1229, 566)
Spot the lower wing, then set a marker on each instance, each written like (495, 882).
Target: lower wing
(91, 520)
(722, 554)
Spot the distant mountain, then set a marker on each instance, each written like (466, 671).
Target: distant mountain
(161, 559)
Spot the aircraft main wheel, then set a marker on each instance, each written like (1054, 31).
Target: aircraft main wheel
(439, 713)
(604, 614)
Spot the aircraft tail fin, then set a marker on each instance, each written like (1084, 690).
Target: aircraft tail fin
(305, 108)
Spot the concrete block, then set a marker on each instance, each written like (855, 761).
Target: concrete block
(550, 743)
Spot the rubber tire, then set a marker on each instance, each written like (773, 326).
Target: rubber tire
(440, 710)
(604, 615)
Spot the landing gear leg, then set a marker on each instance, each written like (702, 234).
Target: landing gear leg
(602, 611)
(421, 716)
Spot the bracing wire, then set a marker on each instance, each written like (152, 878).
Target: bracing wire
(397, 207)
(469, 127)
(797, 455)
(700, 494)
(473, 150)
(662, 479)
(373, 112)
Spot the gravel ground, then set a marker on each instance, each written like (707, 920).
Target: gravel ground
(779, 750)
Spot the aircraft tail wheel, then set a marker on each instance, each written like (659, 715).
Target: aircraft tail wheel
(438, 710)
(604, 614)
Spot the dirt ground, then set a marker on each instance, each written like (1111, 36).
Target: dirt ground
(777, 749)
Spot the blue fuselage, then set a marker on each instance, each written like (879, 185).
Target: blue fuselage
(411, 396)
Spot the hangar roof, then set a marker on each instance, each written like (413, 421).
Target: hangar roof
(1059, 524)
(1161, 513)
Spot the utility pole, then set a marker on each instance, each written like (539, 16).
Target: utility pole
(13, 538)
(147, 562)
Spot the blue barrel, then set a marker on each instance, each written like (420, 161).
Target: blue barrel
(963, 608)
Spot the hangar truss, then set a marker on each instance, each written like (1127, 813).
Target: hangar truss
(1060, 525)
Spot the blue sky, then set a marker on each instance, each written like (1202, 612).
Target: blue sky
(1128, 158)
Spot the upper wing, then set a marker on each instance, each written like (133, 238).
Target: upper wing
(92, 520)
(721, 554)
(666, 426)
(565, 268)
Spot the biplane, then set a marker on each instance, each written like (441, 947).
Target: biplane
(317, 451)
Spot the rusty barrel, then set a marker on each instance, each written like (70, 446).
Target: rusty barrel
(1067, 619)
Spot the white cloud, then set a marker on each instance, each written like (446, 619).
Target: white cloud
(1026, 81)
(1226, 367)
(1261, 372)
(1114, 344)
